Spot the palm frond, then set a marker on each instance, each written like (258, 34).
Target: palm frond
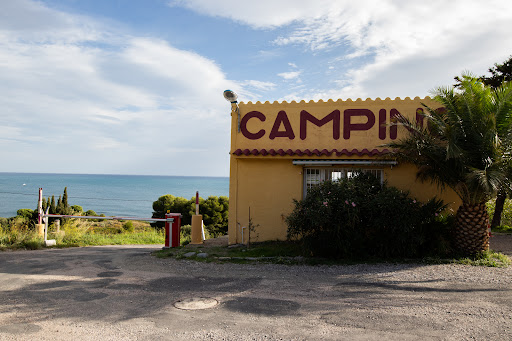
(467, 144)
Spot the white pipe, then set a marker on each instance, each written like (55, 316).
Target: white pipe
(109, 218)
(46, 225)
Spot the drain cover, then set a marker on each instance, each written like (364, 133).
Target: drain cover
(196, 303)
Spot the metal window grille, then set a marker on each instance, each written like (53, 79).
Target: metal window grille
(314, 176)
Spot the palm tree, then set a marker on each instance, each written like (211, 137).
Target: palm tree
(466, 146)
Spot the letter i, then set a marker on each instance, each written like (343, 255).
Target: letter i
(382, 124)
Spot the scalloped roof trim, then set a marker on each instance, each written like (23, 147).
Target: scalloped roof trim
(299, 152)
(340, 101)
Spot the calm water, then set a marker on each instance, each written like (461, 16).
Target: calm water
(112, 195)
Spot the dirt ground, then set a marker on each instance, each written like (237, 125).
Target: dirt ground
(125, 293)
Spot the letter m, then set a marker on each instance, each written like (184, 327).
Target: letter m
(333, 116)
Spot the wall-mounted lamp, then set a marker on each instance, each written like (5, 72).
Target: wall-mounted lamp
(232, 97)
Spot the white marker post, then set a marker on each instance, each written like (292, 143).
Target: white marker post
(40, 225)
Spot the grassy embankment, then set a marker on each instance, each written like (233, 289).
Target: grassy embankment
(76, 232)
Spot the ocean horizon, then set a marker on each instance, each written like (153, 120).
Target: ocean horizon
(109, 194)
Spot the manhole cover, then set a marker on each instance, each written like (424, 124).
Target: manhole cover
(196, 303)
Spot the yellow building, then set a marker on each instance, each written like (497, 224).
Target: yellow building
(279, 150)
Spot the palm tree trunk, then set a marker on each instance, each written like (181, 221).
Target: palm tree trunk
(471, 223)
(498, 208)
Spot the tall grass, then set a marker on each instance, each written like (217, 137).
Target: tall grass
(79, 232)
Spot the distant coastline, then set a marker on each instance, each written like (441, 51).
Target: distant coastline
(113, 174)
(109, 194)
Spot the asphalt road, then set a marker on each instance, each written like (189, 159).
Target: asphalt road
(124, 293)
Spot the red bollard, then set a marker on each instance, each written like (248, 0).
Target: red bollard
(172, 230)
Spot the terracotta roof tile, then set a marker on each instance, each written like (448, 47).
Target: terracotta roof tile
(308, 152)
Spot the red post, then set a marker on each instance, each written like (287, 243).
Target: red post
(172, 230)
(197, 202)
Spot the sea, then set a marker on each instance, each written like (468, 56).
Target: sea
(112, 195)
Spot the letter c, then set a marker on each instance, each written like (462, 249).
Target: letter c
(243, 125)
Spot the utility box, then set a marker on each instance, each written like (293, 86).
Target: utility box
(172, 230)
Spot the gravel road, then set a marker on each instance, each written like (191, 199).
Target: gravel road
(124, 293)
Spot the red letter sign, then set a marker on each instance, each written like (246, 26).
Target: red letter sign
(243, 125)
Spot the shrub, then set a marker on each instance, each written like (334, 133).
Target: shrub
(91, 213)
(214, 211)
(185, 234)
(359, 218)
(174, 205)
(506, 215)
(128, 226)
(25, 213)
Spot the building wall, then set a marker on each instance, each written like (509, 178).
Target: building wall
(272, 135)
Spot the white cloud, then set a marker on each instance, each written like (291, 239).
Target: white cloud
(405, 47)
(258, 85)
(105, 99)
(258, 14)
(290, 75)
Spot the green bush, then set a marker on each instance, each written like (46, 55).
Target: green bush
(214, 211)
(360, 218)
(91, 213)
(128, 226)
(185, 234)
(506, 215)
(173, 204)
(4, 223)
(25, 213)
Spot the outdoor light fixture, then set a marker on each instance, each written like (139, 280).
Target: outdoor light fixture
(232, 97)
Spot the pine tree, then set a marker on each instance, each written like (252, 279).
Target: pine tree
(65, 198)
(59, 205)
(53, 208)
(44, 205)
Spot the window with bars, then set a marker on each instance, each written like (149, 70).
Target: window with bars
(314, 176)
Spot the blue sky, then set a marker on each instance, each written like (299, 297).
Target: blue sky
(135, 86)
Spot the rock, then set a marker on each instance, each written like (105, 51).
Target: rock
(189, 254)
(202, 255)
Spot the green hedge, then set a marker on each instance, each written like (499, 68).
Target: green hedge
(214, 210)
(360, 218)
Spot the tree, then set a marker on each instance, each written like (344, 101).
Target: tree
(65, 198)
(62, 204)
(215, 214)
(44, 204)
(173, 204)
(500, 73)
(59, 205)
(53, 207)
(465, 146)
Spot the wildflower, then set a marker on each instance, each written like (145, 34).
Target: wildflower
(414, 201)
(325, 203)
(346, 202)
(353, 204)
(437, 214)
